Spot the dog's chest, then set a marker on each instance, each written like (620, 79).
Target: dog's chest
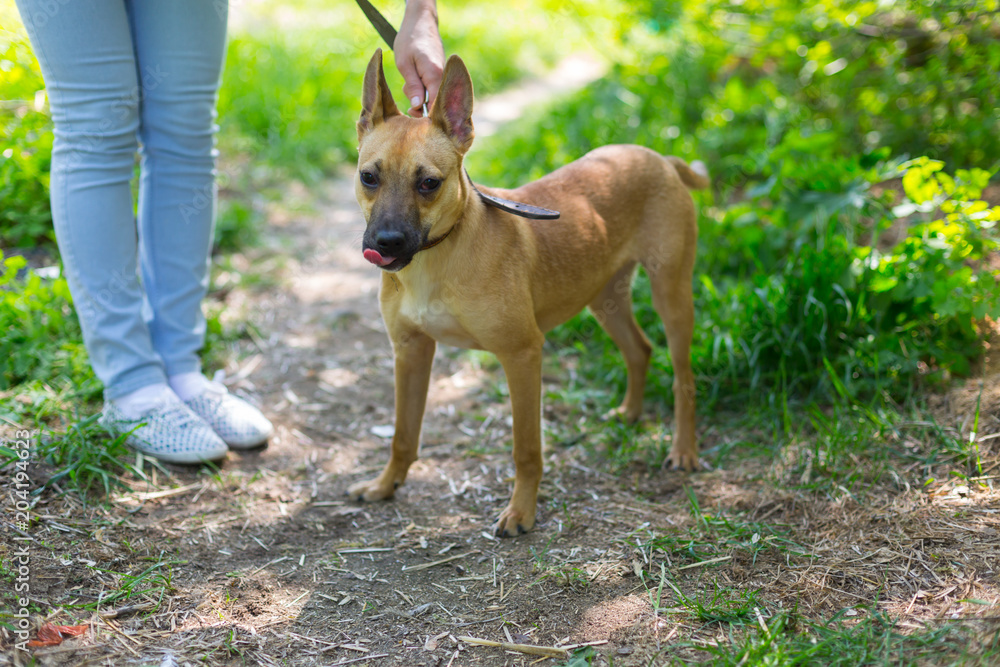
(428, 309)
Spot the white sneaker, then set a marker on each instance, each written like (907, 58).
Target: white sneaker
(238, 423)
(170, 432)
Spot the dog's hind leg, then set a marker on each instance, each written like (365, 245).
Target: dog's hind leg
(613, 310)
(414, 354)
(673, 300)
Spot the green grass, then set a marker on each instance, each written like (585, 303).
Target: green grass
(550, 568)
(720, 605)
(709, 536)
(149, 585)
(874, 640)
(743, 629)
(291, 89)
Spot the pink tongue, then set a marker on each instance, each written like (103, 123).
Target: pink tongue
(377, 259)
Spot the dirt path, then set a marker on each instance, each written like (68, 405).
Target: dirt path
(265, 562)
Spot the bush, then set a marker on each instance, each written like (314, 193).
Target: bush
(25, 150)
(728, 81)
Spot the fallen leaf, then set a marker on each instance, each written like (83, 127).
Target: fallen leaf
(53, 635)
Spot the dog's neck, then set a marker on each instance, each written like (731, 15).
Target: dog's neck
(472, 206)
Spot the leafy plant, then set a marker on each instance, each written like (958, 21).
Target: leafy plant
(40, 337)
(797, 297)
(25, 148)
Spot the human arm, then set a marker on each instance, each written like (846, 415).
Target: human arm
(419, 53)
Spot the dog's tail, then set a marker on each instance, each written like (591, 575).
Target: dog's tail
(695, 175)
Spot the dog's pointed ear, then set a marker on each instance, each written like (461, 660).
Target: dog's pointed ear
(452, 110)
(376, 100)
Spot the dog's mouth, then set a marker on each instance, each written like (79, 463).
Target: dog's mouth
(390, 247)
(377, 258)
(385, 262)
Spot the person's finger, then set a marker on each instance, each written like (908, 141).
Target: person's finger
(431, 78)
(413, 87)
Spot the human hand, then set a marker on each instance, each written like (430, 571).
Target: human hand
(419, 54)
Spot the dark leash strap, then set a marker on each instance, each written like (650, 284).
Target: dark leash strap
(379, 22)
(516, 207)
(388, 33)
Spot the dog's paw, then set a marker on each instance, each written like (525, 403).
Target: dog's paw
(373, 489)
(513, 522)
(682, 460)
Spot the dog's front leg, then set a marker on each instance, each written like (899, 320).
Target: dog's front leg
(414, 353)
(524, 379)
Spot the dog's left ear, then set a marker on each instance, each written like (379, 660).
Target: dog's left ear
(452, 110)
(376, 100)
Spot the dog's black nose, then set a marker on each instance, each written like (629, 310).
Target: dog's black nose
(389, 242)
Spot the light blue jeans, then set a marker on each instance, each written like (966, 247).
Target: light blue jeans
(127, 77)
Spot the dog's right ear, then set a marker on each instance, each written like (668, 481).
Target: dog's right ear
(376, 100)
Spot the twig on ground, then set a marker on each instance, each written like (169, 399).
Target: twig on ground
(705, 562)
(364, 657)
(153, 495)
(551, 651)
(424, 566)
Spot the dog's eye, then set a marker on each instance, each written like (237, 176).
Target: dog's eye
(428, 185)
(369, 179)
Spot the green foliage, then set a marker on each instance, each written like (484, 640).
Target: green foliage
(235, 226)
(284, 99)
(40, 338)
(581, 658)
(806, 291)
(291, 92)
(82, 456)
(727, 81)
(25, 148)
(797, 296)
(710, 536)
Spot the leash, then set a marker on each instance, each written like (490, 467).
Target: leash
(388, 33)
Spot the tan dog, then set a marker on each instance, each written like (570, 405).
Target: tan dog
(467, 274)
